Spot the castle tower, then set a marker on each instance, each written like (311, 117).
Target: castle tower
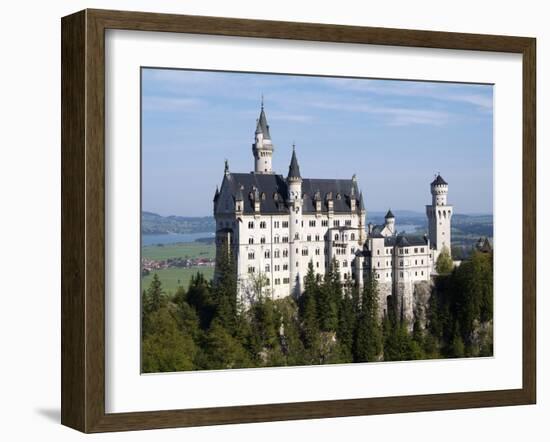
(294, 182)
(262, 148)
(439, 215)
(362, 217)
(390, 221)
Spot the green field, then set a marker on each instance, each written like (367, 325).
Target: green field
(173, 278)
(180, 250)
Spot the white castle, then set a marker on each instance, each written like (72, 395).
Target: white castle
(275, 226)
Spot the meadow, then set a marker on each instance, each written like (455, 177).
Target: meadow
(173, 278)
(188, 250)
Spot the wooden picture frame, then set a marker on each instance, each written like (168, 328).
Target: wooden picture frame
(83, 220)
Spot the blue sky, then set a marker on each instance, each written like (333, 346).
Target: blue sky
(395, 135)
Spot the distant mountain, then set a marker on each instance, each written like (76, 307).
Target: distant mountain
(153, 223)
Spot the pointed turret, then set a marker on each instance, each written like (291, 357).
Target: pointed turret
(261, 126)
(294, 168)
(262, 148)
(217, 194)
(389, 214)
(361, 202)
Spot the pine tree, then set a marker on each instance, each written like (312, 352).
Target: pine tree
(368, 334)
(444, 263)
(225, 290)
(165, 348)
(309, 318)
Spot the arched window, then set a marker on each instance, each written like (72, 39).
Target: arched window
(336, 237)
(353, 236)
(251, 240)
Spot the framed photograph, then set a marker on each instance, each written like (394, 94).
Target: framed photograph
(267, 221)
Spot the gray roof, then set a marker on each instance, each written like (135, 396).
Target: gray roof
(273, 190)
(294, 168)
(389, 215)
(405, 241)
(439, 181)
(262, 127)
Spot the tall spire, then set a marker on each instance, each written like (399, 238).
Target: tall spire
(294, 168)
(262, 127)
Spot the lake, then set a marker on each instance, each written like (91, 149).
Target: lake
(171, 238)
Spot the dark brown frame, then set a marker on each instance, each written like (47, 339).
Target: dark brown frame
(83, 216)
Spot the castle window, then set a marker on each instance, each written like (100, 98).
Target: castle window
(285, 266)
(277, 281)
(422, 250)
(285, 239)
(317, 238)
(263, 193)
(266, 254)
(262, 240)
(401, 262)
(309, 237)
(345, 263)
(415, 273)
(276, 224)
(267, 268)
(250, 224)
(251, 269)
(276, 253)
(324, 223)
(336, 223)
(345, 276)
(421, 261)
(415, 262)
(317, 251)
(304, 252)
(422, 272)
(336, 237)
(302, 223)
(286, 280)
(378, 251)
(312, 223)
(352, 236)
(285, 253)
(317, 264)
(378, 264)
(401, 274)
(250, 255)
(285, 224)
(296, 236)
(348, 222)
(416, 250)
(262, 224)
(276, 239)
(251, 240)
(338, 196)
(353, 250)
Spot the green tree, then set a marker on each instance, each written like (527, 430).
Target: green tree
(222, 351)
(225, 290)
(199, 296)
(444, 263)
(368, 334)
(347, 313)
(309, 318)
(165, 348)
(328, 297)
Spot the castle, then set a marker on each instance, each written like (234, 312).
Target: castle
(275, 226)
